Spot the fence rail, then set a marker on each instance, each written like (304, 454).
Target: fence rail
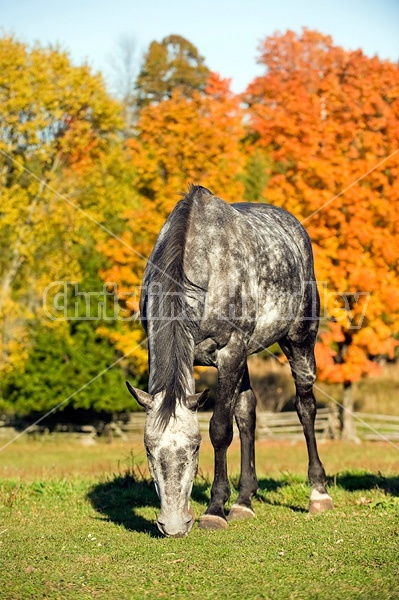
(286, 425)
(278, 426)
(270, 426)
(376, 427)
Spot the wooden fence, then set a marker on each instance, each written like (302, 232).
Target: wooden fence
(270, 426)
(376, 427)
(286, 425)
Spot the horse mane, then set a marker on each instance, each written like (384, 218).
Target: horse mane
(174, 358)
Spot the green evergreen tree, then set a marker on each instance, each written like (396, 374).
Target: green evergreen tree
(67, 355)
(58, 366)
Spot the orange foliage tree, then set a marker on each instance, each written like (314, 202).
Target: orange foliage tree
(180, 140)
(329, 119)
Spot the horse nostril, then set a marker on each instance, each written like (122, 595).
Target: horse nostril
(161, 527)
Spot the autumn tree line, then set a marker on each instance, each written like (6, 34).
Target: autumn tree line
(86, 181)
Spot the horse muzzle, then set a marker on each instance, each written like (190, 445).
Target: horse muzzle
(176, 525)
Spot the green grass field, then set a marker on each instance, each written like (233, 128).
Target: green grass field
(79, 522)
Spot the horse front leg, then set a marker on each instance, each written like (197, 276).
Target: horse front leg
(245, 415)
(230, 374)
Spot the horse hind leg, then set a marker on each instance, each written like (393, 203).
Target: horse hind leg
(303, 367)
(245, 415)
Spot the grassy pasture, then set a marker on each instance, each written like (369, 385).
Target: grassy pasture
(79, 522)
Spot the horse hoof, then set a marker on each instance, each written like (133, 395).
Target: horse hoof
(212, 522)
(321, 503)
(239, 512)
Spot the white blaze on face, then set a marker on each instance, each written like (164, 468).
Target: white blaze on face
(173, 461)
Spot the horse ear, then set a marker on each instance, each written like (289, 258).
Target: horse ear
(145, 400)
(196, 400)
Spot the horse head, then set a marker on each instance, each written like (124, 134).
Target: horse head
(172, 451)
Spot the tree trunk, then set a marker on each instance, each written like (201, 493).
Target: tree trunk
(348, 428)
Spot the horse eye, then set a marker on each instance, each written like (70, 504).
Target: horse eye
(149, 453)
(196, 449)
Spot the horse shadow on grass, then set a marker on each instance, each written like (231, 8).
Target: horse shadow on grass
(293, 493)
(353, 481)
(271, 491)
(120, 499)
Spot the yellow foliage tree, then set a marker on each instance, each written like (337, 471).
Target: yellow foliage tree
(57, 122)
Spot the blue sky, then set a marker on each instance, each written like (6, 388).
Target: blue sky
(226, 32)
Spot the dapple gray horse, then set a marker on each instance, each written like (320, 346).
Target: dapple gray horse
(223, 281)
